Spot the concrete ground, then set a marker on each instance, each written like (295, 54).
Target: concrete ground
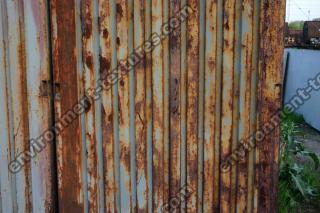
(311, 139)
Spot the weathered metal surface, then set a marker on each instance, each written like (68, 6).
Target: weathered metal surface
(171, 120)
(26, 108)
(269, 101)
(72, 184)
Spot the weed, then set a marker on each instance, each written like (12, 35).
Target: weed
(298, 183)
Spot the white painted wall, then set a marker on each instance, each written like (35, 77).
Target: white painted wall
(304, 65)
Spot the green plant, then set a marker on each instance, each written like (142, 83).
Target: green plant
(291, 116)
(297, 184)
(296, 25)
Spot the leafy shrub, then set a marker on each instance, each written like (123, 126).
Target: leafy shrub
(298, 183)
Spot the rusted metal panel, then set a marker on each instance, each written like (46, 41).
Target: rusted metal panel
(39, 104)
(140, 111)
(29, 184)
(123, 14)
(71, 181)
(157, 109)
(175, 109)
(244, 100)
(163, 130)
(6, 182)
(268, 98)
(90, 57)
(107, 115)
(228, 93)
(210, 95)
(192, 103)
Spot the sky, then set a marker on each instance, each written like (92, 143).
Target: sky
(299, 10)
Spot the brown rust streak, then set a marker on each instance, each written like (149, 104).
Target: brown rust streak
(148, 73)
(89, 82)
(245, 94)
(175, 113)
(192, 103)
(65, 71)
(124, 105)
(210, 108)
(140, 112)
(227, 103)
(166, 106)
(23, 123)
(158, 112)
(270, 65)
(107, 115)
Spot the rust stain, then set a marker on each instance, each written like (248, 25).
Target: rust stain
(268, 102)
(192, 103)
(151, 114)
(65, 66)
(105, 33)
(24, 124)
(140, 112)
(119, 12)
(209, 194)
(107, 108)
(228, 91)
(89, 61)
(87, 18)
(105, 65)
(175, 127)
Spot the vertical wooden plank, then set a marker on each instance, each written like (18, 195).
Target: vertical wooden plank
(210, 106)
(244, 101)
(175, 107)
(227, 102)
(70, 169)
(270, 66)
(192, 103)
(158, 105)
(124, 106)
(140, 108)
(107, 114)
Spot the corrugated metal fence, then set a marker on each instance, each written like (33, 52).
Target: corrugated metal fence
(148, 100)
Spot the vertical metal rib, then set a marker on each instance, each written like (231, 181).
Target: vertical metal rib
(81, 93)
(236, 90)
(140, 109)
(183, 104)
(157, 106)
(166, 106)
(228, 93)
(115, 103)
(107, 114)
(175, 105)
(218, 101)
(210, 84)
(132, 86)
(202, 49)
(6, 186)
